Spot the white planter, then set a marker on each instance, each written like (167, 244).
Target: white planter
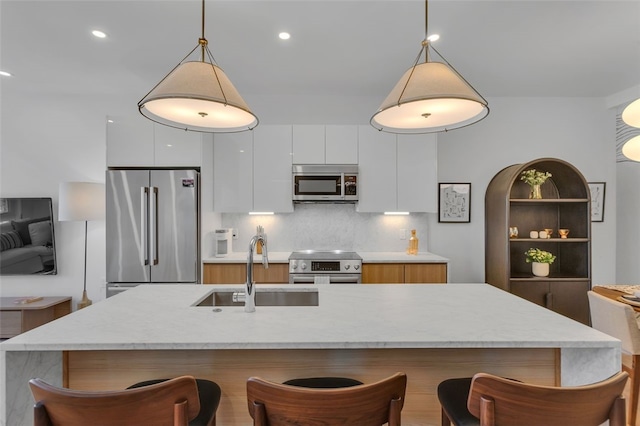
(540, 269)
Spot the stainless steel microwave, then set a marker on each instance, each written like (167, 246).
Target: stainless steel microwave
(325, 183)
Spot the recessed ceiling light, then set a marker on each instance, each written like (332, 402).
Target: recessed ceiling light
(99, 34)
(5, 74)
(433, 37)
(284, 36)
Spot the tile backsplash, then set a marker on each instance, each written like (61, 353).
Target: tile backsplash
(329, 227)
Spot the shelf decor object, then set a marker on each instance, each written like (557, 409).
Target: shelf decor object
(81, 201)
(540, 261)
(430, 97)
(454, 203)
(535, 179)
(565, 204)
(597, 190)
(198, 96)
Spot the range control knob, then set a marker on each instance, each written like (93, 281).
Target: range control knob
(356, 267)
(294, 265)
(347, 266)
(303, 266)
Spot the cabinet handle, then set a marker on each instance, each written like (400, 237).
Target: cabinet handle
(548, 300)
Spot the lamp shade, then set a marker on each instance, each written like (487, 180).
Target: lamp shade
(631, 114)
(81, 201)
(198, 96)
(631, 148)
(430, 97)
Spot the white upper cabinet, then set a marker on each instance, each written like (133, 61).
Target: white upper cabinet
(341, 145)
(175, 147)
(272, 178)
(376, 171)
(397, 172)
(252, 170)
(233, 172)
(319, 144)
(134, 141)
(308, 144)
(417, 173)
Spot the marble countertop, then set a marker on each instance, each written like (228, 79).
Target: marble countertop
(367, 257)
(348, 316)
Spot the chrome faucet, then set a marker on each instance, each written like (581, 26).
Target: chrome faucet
(249, 291)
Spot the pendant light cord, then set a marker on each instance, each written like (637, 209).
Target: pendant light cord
(203, 41)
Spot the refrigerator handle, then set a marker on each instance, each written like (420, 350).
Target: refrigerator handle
(153, 225)
(144, 196)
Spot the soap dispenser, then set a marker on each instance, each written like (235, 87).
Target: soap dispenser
(413, 243)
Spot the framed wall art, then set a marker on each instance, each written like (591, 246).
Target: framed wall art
(454, 202)
(597, 200)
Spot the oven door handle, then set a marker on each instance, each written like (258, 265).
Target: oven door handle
(334, 279)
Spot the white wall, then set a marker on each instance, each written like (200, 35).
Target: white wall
(46, 140)
(628, 237)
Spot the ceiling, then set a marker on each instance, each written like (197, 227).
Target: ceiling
(350, 47)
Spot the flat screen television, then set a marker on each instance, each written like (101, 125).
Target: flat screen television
(27, 240)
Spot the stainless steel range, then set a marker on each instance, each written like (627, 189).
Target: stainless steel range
(325, 267)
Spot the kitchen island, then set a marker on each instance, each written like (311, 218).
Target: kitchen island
(430, 332)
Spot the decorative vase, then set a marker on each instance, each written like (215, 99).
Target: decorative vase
(540, 269)
(536, 192)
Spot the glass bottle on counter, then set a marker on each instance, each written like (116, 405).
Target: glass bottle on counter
(413, 243)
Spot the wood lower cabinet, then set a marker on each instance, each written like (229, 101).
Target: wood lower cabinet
(236, 273)
(401, 273)
(565, 203)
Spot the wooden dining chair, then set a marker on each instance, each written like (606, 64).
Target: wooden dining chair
(496, 401)
(619, 320)
(172, 403)
(274, 404)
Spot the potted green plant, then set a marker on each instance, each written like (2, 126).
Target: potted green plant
(535, 179)
(540, 261)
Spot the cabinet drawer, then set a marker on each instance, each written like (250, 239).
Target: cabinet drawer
(236, 273)
(382, 273)
(425, 273)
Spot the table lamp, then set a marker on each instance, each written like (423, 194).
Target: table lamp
(81, 201)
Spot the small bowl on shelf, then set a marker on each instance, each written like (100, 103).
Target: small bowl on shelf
(564, 233)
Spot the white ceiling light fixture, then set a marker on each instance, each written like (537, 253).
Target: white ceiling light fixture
(631, 114)
(198, 96)
(631, 149)
(5, 74)
(99, 34)
(284, 36)
(430, 97)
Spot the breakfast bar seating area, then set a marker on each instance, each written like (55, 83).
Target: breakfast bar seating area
(431, 333)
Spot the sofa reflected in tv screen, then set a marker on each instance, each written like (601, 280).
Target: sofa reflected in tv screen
(27, 240)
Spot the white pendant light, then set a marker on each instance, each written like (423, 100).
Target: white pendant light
(631, 149)
(198, 96)
(430, 97)
(631, 114)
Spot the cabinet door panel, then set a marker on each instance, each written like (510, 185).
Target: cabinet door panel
(277, 273)
(224, 273)
(272, 182)
(425, 273)
(233, 172)
(533, 291)
(382, 273)
(308, 144)
(377, 170)
(175, 147)
(341, 144)
(417, 173)
(130, 141)
(570, 299)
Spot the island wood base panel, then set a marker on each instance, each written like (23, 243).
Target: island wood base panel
(425, 368)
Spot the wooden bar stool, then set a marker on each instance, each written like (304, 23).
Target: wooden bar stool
(273, 404)
(495, 401)
(173, 402)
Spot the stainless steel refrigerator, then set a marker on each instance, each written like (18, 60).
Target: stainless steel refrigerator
(152, 227)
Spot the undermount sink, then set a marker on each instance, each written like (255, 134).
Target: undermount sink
(263, 298)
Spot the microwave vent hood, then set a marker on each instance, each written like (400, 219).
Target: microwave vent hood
(325, 183)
